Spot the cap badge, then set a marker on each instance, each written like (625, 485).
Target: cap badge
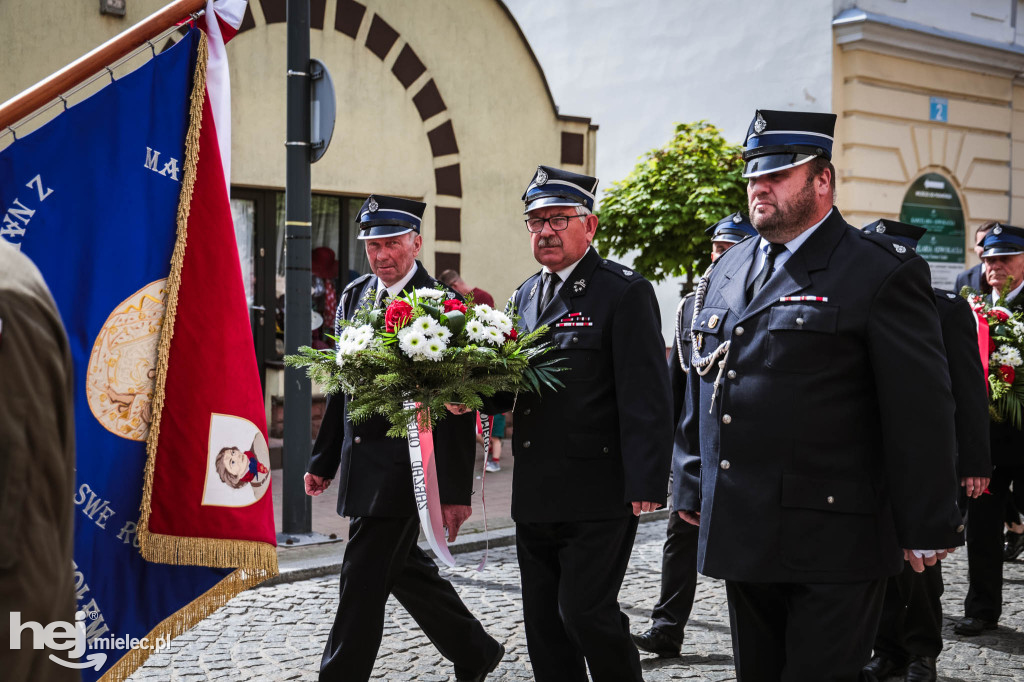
(627, 273)
(713, 322)
(880, 229)
(759, 124)
(899, 248)
(997, 230)
(579, 285)
(736, 218)
(373, 205)
(542, 176)
(950, 295)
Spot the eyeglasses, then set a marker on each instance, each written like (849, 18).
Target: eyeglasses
(558, 223)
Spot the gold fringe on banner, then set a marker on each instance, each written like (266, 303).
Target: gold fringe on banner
(256, 561)
(182, 620)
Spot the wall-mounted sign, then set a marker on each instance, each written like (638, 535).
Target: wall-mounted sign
(932, 203)
(938, 109)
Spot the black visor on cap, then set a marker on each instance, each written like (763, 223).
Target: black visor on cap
(771, 163)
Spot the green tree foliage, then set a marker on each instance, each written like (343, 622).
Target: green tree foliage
(660, 210)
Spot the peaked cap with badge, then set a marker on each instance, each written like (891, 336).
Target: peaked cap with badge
(777, 140)
(904, 233)
(557, 187)
(1003, 240)
(732, 228)
(382, 216)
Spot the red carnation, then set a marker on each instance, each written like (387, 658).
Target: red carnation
(1006, 371)
(512, 335)
(397, 315)
(454, 304)
(999, 315)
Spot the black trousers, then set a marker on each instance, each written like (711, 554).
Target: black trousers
(911, 622)
(795, 632)
(985, 517)
(571, 574)
(382, 558)
(678, 577)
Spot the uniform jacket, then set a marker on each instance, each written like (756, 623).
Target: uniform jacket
(1007, 442)
(960, 338)
(830, 443)
(604, 440)
(679, 362)
(375, 476)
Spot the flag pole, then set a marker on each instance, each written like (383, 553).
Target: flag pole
(21, 105)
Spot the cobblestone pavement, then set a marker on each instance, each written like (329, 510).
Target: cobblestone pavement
(278, 633)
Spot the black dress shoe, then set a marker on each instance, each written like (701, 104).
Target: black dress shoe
(969, 627)
(1014, 545)
(921, 669)
(659, 642)
(882, 667)
(490, 668)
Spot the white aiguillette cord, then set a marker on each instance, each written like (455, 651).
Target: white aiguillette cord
(703, 365)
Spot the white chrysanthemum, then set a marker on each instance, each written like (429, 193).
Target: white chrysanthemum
(494, 336)
(434, 349)
(425, 324)
(476, 331)
(340, 358)
(482, 311)
(501, 321)
(442, 333)
(1007, 355)
(412, 343)
(433, 294)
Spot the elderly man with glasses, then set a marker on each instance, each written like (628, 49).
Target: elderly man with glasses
(593, 455)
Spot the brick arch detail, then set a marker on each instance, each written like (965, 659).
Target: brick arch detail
(407, 70)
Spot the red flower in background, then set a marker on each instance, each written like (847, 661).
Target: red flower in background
(397, 315)
(999, 315)
(512, 335)
(1007, 372)
(454, 304)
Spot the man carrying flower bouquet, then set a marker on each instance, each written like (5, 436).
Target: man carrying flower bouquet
(1003, 256)
(376, 489)
(820, 406)
(592, 456)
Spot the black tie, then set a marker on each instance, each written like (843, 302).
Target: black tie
(382, 296)
(549, 280)
(766, 270)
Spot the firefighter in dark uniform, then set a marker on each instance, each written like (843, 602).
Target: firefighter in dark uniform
(821, 408)
(910, 634)
(593, 455)
(375, 488)
(679, 555)
(1003, 256)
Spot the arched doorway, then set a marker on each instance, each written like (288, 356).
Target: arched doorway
(932, 202)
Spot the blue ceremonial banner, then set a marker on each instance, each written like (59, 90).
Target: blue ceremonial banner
(92, 198)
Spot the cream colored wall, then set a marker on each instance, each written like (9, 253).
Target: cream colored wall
(496, 98)
(885, 140)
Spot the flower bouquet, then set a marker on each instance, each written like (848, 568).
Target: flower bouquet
(424, 350)
(1003, 357)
